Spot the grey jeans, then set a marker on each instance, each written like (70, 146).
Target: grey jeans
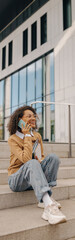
(35, 175)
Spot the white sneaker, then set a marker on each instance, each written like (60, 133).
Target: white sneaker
(57, 204)
(53, 215)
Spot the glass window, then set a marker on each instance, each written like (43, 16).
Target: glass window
(3, 58)
(67, 14)
(7, 96)
(14, 91)
(39, 83)
(52, 130)
(39, 89)
(25, 42)
(31, 83)
(7, 105)
(52, 97)
(10, 53)
(1, 109)
(33, 36)
(44, 28)
(22, 86)
(39, 78)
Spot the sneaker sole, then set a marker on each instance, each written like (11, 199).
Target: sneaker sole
(53, 222)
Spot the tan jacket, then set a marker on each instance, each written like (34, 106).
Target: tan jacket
(21, 150)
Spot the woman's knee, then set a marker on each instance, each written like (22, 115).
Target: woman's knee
(55, 159)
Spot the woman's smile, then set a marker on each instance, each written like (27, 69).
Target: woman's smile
(32, 122)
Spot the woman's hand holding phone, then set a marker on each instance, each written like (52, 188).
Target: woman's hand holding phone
(26, 128)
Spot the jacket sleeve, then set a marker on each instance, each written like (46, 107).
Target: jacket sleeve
(23, 155)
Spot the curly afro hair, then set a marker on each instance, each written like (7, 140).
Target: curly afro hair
(14, 119)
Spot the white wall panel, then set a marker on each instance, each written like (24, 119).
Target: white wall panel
(73, 10)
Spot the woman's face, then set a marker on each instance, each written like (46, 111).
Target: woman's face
(29, 117)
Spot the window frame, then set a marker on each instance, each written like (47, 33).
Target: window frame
(67, 22)
(34, 38)
(43, 31)
(3, 57)
(25, 44)
(10, 50)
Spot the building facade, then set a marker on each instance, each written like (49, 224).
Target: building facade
(37, 63)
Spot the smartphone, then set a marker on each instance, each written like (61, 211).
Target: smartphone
(20, 123)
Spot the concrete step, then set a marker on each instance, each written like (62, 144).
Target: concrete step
(66, 172)
(3, 176)
(4, 154)
(61, 149)
(62, 154)
(25, 223)
(71, 238)
(4, 163)
(67, 162)
(63, 173)
(65, 189)
(58, 149)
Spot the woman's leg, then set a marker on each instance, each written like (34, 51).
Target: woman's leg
(30, 174)
(50, 167)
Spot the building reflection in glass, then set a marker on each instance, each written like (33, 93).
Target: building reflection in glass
(28, 85)
(14, 92)
(22, 87)
(39, 90)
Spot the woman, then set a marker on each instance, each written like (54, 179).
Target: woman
(27, 169)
